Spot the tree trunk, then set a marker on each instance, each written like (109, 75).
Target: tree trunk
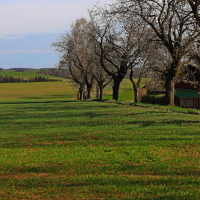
(169, 84)
(101, 93)
(81, 94)
(116, 89)
(97, 91)
(135, 86)
(81, 90)
(136, 94)
(170, 92)
(85, 92)
(89, 90)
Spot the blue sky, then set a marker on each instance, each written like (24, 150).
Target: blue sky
(28, 27)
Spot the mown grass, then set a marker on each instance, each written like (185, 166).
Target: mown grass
(54, 147)
(67, 149)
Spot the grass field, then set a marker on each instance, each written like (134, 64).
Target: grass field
(26, 74)
(21, 90)
(54, 90)
(93, 150)
(54, 147)
(37, 90)
(32, 70)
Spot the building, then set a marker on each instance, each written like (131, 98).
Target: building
(187, 89)
(187, 92)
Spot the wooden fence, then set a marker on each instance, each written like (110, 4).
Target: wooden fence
(188, 102)
(197, 103)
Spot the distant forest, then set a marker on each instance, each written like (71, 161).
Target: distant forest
(12, 79)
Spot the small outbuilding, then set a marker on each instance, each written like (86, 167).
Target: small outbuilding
(187, 91)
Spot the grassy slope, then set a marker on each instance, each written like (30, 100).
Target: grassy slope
(91, 150)
(25, 75)
(37, 90)
(126, 92)
(32, 70)
(53, 147)
(45, 90)
(11, 91)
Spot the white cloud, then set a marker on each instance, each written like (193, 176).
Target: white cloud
(42, 16)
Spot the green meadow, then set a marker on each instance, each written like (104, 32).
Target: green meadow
(26, 74)
(52, 90)
(55, 147)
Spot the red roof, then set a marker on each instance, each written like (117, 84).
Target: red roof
(187, 85)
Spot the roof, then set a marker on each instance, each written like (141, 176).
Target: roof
(187, 85)
(190, 81)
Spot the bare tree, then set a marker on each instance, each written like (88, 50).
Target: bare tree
(101, 77)
(141, 60)
(174, 29)
(114, 44)
(136, 79)
(76, 55)
(195, 7)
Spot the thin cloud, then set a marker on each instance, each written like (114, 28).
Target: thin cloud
(42, 16)
(26, 51)
(28, 27)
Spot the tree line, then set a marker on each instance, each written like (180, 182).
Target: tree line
(161, 37)
(12, 79)
(55, 72)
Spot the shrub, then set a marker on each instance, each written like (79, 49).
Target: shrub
(154, 99)
(142, 92)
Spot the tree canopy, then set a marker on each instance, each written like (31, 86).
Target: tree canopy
(130, 35)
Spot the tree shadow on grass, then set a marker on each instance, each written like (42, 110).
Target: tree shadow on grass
(166, 122)
(59, 117)
(148, 187)
(145, 113)
(66, 96)
(38, 102)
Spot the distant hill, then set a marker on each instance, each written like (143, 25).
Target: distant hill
(32, 70)
(25, 75)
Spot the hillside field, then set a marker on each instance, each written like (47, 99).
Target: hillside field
(53, 90)
(25, 75)
(55, 147)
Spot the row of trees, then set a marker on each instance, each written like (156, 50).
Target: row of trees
(55, 72)
(12, 79)
(161, 36)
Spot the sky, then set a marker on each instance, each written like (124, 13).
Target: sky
(28, 28)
